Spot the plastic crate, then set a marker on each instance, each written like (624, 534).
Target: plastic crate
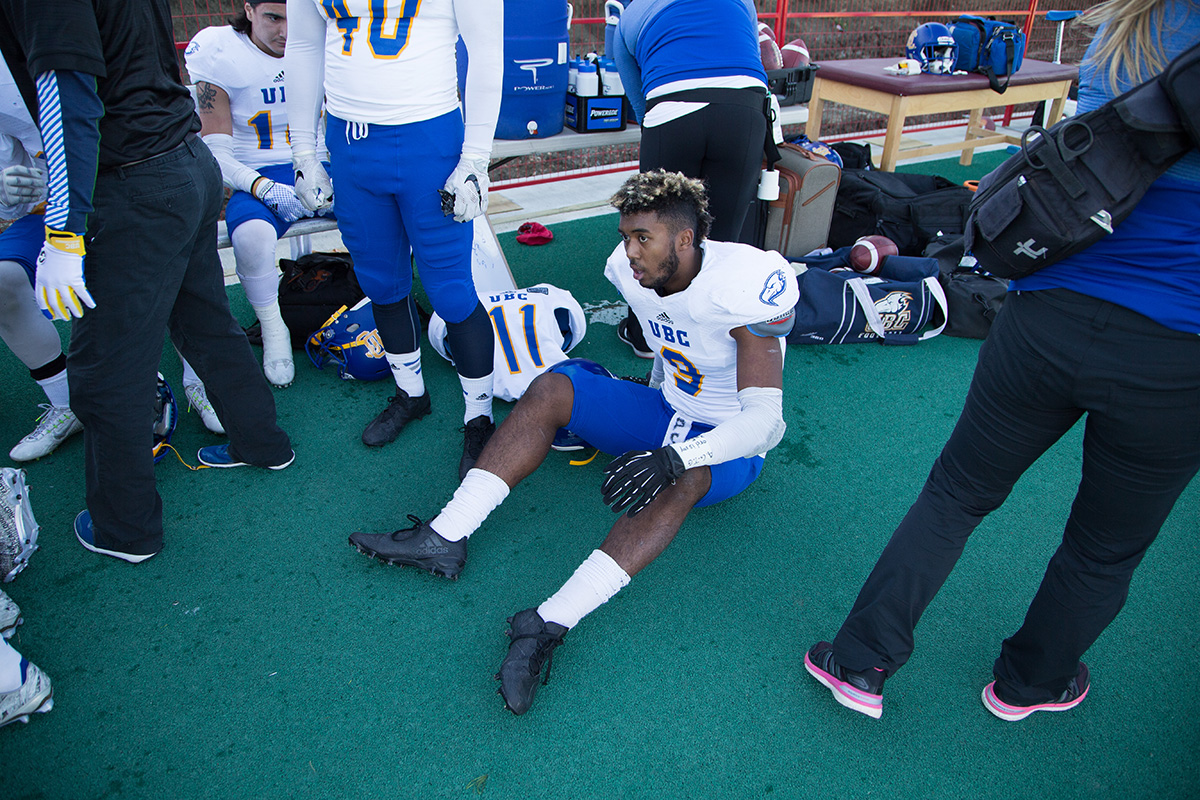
(793, 85)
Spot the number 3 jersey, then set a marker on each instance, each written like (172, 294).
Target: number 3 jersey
(535, 329)
(254, 82)
(737, 285)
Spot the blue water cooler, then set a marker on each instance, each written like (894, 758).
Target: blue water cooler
(535, 68)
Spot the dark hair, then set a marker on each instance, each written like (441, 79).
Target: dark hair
(240, 22)
(679, 201)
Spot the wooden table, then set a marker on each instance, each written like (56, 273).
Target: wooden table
(863, 84)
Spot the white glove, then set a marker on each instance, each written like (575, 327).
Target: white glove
(21, 186)
(281, 199)
(465, 192)
(59, 285)
(313, 186)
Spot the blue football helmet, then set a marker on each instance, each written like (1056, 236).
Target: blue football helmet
(563, 438)
(351, 341)
(166, 417)
(933, 47)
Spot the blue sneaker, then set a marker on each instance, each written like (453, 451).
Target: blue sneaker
(217, 455)
(86, 535)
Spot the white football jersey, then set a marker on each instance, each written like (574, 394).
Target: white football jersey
(737, 285)
(20, 142)
(529, 339)
(392, 66)
(254, 82)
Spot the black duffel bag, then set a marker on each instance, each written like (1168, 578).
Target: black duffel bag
(311, 290)
(911, 210)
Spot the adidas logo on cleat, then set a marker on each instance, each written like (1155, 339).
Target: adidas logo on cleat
(434, 550)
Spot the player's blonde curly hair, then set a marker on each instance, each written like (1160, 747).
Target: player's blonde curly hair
(675, 197)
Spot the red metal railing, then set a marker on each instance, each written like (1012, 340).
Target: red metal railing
(832, 30)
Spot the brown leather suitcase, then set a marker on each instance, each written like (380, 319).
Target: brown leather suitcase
(798, 222)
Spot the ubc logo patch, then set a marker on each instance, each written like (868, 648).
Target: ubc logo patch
(775, 285)
(895, 309)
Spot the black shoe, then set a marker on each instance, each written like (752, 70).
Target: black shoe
(630, 332)
(419, 546)
(533, 643)
(861, 691)
(476, 434)
(401, 410)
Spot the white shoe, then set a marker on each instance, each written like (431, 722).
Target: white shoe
(198, 399)
(278, 362)
(18, 528)
(10, 616)
(33, 696)
(54, 427)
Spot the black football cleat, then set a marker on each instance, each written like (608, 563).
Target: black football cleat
(400, 411)
(532, 644)
(419, 546)
(476, 434)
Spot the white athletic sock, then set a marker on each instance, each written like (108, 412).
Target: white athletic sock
(596, 580)
(190, 378)
(477, 395)
(406, 369)
(56, 389)
(10, 668)
(277, 340)
(477, 496)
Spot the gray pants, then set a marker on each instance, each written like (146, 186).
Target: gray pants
(152, 265)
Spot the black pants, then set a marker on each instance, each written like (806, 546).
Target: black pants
(151, 265)
(721, 143)
(1051, 357)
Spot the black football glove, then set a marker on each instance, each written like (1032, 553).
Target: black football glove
(634, 479)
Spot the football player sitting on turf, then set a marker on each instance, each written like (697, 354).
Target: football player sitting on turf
(714, 312)
(241, 99)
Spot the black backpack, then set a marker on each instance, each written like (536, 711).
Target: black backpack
(1072, 185)
(910, 210)
(311, 290)
(973, 298)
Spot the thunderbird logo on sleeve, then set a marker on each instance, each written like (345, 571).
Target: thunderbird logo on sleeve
(775, 285)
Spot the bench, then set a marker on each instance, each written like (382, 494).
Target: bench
(862, 83)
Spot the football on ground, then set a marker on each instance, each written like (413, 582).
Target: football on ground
(868, 253)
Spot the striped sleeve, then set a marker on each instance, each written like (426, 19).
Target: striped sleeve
(69, 112)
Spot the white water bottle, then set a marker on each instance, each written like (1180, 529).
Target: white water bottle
(610, 78)
(588, 82)
(573, 74)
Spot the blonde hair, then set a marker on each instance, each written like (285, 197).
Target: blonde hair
(672, 195)
(1132, 38)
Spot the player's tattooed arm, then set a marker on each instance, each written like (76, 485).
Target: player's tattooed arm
(206, 96)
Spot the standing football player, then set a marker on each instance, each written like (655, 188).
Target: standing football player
(31, 337)
(409, 171)
(241, 98)
(697, 435)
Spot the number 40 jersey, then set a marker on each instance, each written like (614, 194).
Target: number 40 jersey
(535, 329)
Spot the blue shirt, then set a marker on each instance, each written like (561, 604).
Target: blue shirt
(662, 41)
(1151, 261)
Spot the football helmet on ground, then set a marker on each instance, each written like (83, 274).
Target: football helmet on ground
(351, 341)
(166, 417)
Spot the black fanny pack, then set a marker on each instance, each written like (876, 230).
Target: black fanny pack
(1071, 185)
